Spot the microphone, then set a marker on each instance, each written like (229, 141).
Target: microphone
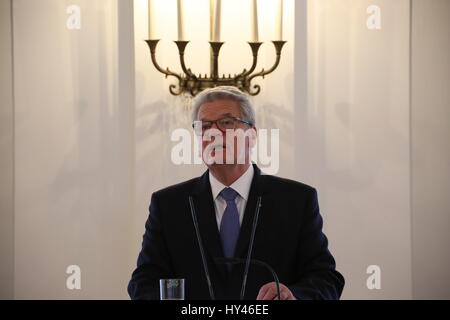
(248, 260)
(253, 261)
(202, 251)
(250, 247)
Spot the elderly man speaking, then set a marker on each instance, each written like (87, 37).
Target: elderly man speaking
(234, 211)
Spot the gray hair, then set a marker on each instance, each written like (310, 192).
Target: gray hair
(225, 92)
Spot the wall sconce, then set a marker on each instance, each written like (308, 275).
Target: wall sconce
(192, 83)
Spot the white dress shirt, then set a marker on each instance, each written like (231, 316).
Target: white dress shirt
(241, 186)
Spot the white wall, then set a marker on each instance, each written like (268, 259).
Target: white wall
(430, 149)
(353, 139)
(73, 127)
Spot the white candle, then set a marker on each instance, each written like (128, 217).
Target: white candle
(279, 21)
(254, 20)
(212, 9)
(180, 15)
(217, 21)
(151, 20)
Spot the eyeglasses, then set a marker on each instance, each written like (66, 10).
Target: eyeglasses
(223, 124)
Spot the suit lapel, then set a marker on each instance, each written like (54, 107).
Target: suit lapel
(204, 207)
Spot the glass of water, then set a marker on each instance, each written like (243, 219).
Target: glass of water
(171, 289)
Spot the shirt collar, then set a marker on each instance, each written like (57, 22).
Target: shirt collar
(241, 185)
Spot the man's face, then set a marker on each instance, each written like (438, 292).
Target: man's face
(215, 142)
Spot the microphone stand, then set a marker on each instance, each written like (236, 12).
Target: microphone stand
(247, 261)
(202, 251)
(253, 261)
(250, 247)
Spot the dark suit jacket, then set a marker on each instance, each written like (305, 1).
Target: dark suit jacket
(288, 237)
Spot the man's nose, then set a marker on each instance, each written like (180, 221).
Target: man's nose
(214, 125)
(216, 131)
(213, 131)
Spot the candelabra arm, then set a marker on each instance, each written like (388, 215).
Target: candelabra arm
(278, 47)
(255, 48)
(188, 82)
(152, 45)
(215, 50)
(181, 47)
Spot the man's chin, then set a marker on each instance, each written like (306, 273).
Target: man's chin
(225, 165)
(218, 157)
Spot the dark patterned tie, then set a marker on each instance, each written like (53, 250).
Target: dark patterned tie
(229, 227)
